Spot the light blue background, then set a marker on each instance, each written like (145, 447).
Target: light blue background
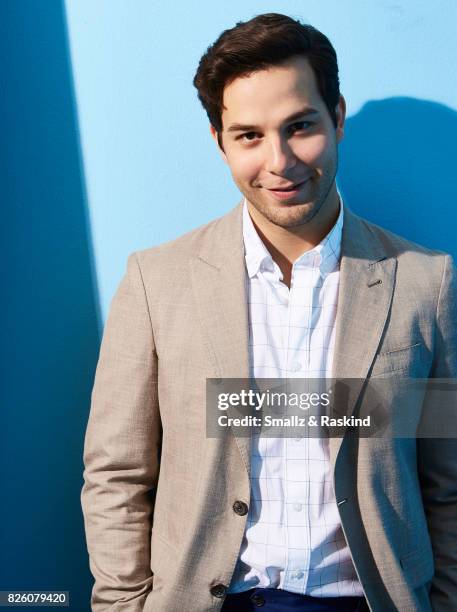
(152, 171)
(105, 150)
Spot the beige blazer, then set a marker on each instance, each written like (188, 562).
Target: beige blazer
(158, 497)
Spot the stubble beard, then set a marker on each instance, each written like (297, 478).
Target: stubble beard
(294, 214)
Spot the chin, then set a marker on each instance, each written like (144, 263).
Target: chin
(292, 214)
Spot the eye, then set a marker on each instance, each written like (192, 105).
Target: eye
(248, 136)
(300, 126)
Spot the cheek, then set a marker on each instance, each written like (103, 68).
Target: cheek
(313, 150)
(244, 168)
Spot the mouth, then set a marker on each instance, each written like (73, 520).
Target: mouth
(285, 193)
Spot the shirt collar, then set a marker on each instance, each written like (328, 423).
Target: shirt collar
(325, 256)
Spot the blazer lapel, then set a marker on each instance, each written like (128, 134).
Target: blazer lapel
(367, 278)
(219, 281)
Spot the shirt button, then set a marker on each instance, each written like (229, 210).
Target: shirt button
(240, 508)
(218, 590)
(297, 507)
(297, 575)
(295, 366)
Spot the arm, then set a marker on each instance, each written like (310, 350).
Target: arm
(121, 452)
(437, 458)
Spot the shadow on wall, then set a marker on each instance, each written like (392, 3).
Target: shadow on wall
(397, 169)
(49, 309)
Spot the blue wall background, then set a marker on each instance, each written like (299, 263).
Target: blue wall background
(152, 171)
(105, 150)
(49, 307)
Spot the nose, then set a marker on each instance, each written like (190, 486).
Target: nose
(280, 157)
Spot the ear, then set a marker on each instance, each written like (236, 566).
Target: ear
(216, 137)
(340, 116)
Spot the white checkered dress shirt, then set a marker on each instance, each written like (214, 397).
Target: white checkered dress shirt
(293, 537)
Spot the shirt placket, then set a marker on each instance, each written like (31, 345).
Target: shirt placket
(297, 483)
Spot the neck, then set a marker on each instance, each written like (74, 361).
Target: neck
(286, 244)
(289, 243)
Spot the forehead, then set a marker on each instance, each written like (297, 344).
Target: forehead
(268, 95)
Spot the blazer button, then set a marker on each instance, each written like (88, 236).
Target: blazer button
(240, 508)
(258, 600)
(218, 590)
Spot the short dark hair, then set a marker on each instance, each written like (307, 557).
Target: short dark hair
(265, 40)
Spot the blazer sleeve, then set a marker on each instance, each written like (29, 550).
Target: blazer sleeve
(121, 452)
(437, 457)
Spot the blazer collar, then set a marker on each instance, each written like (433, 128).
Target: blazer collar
(225, 240)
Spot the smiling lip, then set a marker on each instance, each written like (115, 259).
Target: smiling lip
(285, 193)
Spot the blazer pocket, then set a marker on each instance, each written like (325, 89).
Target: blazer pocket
(418, 566)
(403, 360)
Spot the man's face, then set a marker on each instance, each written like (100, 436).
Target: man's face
(280, 142)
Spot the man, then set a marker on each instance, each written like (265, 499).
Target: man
(291, 283)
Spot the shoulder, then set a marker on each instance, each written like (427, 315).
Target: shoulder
(184, 246)
(409, 254)
(167, 264)
(213, 235)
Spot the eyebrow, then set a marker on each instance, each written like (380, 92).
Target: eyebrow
(240, 127)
